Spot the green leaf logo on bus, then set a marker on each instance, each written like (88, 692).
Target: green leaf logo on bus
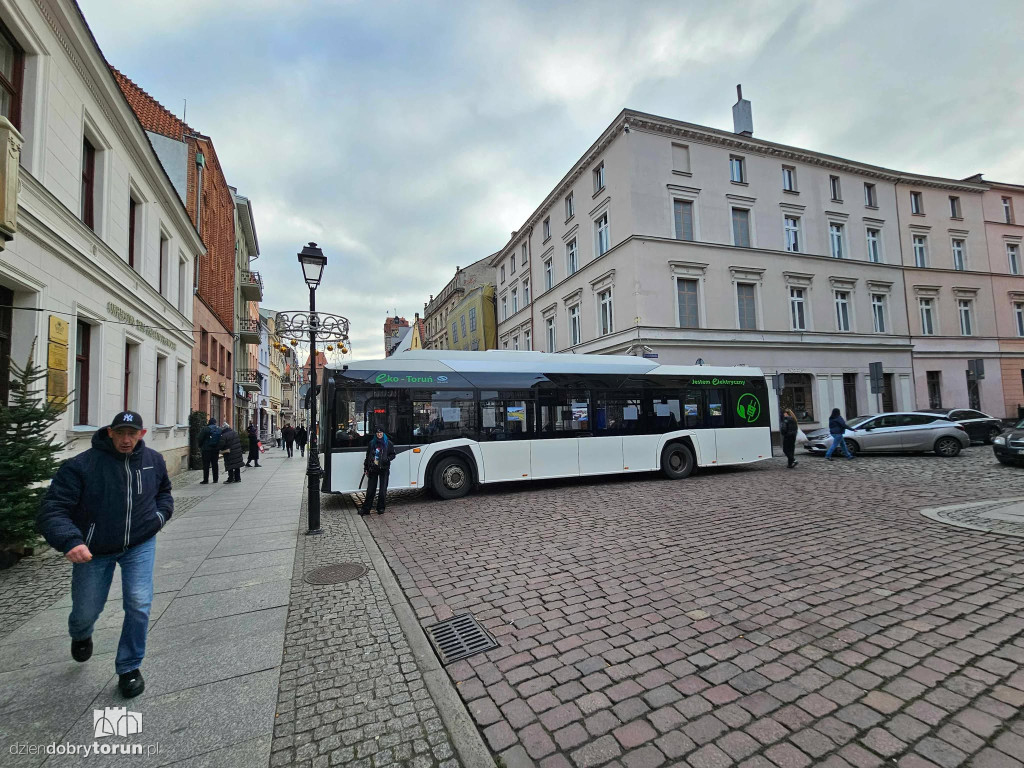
(748, 408)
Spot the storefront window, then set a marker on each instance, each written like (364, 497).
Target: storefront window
(797, 394)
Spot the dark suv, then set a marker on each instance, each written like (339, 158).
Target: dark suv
(1009, 446)
(980, 427)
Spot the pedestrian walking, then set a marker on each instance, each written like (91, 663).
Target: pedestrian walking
(789, 429)
(837, 427)
(301, 436)
(277, 436)
(231, 449)
(104, 508)
(254, 444)
(209, 440)
(377, 464)
(288, 435)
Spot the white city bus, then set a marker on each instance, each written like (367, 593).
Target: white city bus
(462, 418)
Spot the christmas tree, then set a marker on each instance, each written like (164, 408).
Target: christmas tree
(28, 453)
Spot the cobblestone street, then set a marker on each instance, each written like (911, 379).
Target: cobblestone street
(756, 617)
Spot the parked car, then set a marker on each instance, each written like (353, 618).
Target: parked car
(910, 431)
(981, 428)
(1009, 445)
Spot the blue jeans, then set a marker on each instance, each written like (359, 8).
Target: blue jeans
(838, 441)
(90, 583)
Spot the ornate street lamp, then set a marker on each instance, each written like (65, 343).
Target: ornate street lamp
(331, 329)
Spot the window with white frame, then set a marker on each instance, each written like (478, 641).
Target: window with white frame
(570, 206)
(527, 344)
(599, 178)
(959, 254)
(835, 189)
(605, 320)
(1018, 317)
(472, 319)
(870, 195)
(504, 344)
(788, 178)
(515, 300)
(835, 240)
(791, 229)
(515, 342)
(689, 306)
(526, 291)
(954, 207)
(927, 307)
(512, 264)
(921, 250)
(874, 240)
(681, 158)
(741, 227)
(572, 257)
(502, 271)
(547, 228)
(878, 312)
(575, 331)
(683, 214)
(1008, 210)
(746, 306)
(549, 275)
(522, 253)
(1013, 258)
(455, 332)
(549, 329)
(842, 299)
(504, 307)
(737, 169)
(916, 204)
(964, 307)
(603, 239)
(797, 309)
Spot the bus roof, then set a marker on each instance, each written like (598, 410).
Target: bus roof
(503, 360)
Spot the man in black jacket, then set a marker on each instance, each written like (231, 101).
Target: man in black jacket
(103, 509)
(209, 440)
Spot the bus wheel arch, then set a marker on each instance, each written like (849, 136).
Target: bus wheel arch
(678, 459)
(451, 474)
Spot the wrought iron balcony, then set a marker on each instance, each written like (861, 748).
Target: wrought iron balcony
(251, 286)
(248, 331)
(248, 379)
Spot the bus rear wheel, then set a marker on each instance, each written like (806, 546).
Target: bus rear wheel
(677, 461)
(451, 478)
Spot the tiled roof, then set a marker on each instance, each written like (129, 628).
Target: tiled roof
(151, 113)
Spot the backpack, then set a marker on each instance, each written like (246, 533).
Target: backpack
(213, 441)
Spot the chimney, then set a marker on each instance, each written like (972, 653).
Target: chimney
(742, 118)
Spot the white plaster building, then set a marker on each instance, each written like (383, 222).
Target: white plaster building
(685, 242)
(103, 241)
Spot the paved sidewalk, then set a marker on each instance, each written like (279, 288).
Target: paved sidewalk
(222, 583)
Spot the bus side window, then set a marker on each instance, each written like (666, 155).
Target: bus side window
(716, 407)
(506, 416)
(693, 409)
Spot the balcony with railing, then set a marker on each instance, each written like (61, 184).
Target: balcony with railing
(249, 379)
(251, 286)
(248, 331)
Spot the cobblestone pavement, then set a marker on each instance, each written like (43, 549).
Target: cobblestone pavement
(755, 617)
(1006, 517)
(351, 692)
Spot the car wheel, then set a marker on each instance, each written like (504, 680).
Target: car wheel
(993, 431)
(451, 478)
(947, 446)
(677, 461)
(1001, 460)
(853, 447)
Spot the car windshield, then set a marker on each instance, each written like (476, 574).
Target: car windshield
(1019, 424)
(856, 422)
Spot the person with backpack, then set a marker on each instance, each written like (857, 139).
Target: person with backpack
(377, 465)
(789, 429)
(209, 441)
(837, 427)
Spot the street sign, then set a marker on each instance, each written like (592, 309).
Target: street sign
(777, 379)
(651, 355)
(877, 378)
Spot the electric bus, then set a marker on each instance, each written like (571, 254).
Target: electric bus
(458, 419)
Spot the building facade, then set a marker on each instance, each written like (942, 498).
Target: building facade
(248, 294)
(682, 242)
(100, 268)
(474, 325)
(438, 325)
(395, 329)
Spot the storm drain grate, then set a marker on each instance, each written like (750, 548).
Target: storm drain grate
(460, 637)
(335, 574)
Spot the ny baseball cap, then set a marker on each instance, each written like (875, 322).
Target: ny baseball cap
(127, 419)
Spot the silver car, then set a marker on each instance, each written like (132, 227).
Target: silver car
(896, 432)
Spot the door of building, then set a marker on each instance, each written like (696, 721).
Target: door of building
(888, 404)
(6, 324)
(850, 394)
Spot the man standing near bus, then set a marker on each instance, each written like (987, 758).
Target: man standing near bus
(377, 464)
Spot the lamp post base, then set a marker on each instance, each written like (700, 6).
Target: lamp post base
(317, 532)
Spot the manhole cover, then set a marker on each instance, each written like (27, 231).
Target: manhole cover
(334, 574)
(460, 637)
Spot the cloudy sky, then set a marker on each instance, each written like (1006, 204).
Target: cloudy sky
(410, 137)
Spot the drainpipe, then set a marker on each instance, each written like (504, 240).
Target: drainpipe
(200, 164)
(906, 302)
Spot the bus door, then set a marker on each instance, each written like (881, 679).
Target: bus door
(391, 410)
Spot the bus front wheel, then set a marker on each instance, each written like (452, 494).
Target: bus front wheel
(451, 479)
(677, 461)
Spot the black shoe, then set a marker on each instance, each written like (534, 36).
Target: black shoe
(256, 465)
(206, 482)
(364, 512)
(248, 465)
(228, 481)
(380, 511)
(81, 650)
(794, 463)
(131, 683)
